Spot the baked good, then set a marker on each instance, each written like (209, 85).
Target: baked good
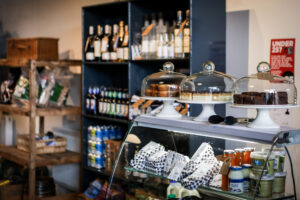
(168, 93)
(148, 92)
(167, 87)
(202, 97)
(188, 96)
(238, 98)
(282, 97)
(261, 98)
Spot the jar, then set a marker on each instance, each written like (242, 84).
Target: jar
(258, 161)
(225, 180)
(247, 159)
(279, 157)
(279, 182)
(239, 157)
(257, 171)
(265, 186)
(236, 180)
(246, 173)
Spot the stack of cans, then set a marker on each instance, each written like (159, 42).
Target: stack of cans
(96, 143)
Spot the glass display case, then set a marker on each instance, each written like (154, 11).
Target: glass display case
(160, 158)
(208, 87)
(163, 86)
(264, 91)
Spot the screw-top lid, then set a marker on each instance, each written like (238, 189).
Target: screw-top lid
(91, 30)
(249, 149)
(208, 66)
(99, 30)
(239, 150)
(173, 182)
(235, 168)
(263, 178)
(263, 67)
(247, 166)
(228, 151)
(168, 66)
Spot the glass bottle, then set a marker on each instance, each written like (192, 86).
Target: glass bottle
(171, 46)
(89, 46)
(114, 43)
(97, 44)
(120, 42)
(125, 44)
(186, 36)
(152, 38)
(105, 43)
(178, 36)
(160, 45)
(165, 46)
(88, 100)
(145, 39)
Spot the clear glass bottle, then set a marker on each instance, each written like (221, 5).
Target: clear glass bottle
(152, 38)
(186, 36)
(171, 46)
(178, 36)
(165, 48)
(145, 39)
(105, 43)
(160, 45)
(89, 46)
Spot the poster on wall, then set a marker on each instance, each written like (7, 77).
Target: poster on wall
(282, 57)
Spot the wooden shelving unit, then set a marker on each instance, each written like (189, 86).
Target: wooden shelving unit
(31, 159)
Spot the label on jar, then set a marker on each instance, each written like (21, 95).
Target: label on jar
(246, 184)
(257, 162)
(97, 48)
(89, 56)
(236, 186)
(186, 40)
(178, 42)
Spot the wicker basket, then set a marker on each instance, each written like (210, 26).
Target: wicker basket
(56, 145)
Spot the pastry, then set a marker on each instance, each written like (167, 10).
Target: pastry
(148, 92)
(167, 87)
(202, 97)
(188, 96)
(261, 98)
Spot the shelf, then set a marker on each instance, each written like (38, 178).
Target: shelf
(21, 157)
(105, 63)
(14, 109)
(187, 60)
(188, 126)
(38, 63)
(105, 118)
(219, 192)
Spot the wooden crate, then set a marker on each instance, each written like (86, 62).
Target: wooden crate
(32, 48)
(56, 145)
(11, 192)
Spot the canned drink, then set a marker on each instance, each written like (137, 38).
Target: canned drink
(93, 133)
(99, 134)
(93, 160)
(90, 159)
(90, 146)
(102, 162)
(93, 145)
(119, 133)
(112, 132)
(98, 162)
(106, 134)
(100, 146)
(90, 132)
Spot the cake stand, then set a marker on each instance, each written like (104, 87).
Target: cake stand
(168, 111)
(207, 108)
(263, 118)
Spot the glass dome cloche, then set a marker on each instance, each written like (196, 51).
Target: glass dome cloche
(207, 86)
(163, 84)
(263, 88)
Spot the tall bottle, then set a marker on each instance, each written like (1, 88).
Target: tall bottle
(145, 39)
(120, 53)
(127, 104)
(93, 102)
(160, 46)
(178, 36)
(114, 43)
(89, 46)
(109, 102)
(100, 101)
(186, 35)
(160, 28)
(171, 46)
(165, 46)
(152, 38)
(88, 100)
(104, 109)
(105, 43)
(97, 44)
(125, 44)
(118, 103)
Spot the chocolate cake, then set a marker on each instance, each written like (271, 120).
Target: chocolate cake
(261, 98)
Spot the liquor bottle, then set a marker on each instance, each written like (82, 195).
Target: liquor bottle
(171, 46)
(152, 39)
(120, 53)
(118, 103)
(160, 45)
(109, 103)
(89, 46)
(160, 28)
(97, 44)
(145, 39)
(114, 102)
(178, 36)
(88, 100)
(100, 101)
(114, 43)
(125, 44)
(93, 100)
(186, 35)
(104, 109)
(165, 46)
(105, 43)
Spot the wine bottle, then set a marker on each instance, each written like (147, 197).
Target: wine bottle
(178, 36)
(125, 44)
(89, 46)
(114, 43)
(152, 38)
(186, 35)
(120, 52)
(105, 43)
(97, 44)
(145, 39)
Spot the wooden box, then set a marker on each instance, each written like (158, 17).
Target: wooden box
(32, 48)
(11, 192)
(56, 145)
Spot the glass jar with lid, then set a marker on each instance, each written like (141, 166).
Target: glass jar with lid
(208, 87)
(264, 91)
(163, 86)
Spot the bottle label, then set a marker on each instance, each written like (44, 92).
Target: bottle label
(122, 113)
(87, 104)
(89, 56)
(178, 42)
(246, 184)
(145, 46)
(236, 186)
(107, 108)
(186, 40)
(104, 108)
(97, 48)
(113, 55)
(152, 46)
(276, 162)
(125, 42)
(104, 44)
(120, 53)
(105, 56)
(100, 106)
(93, 105)
(118, 109)
(171, 51)
(165, 50)
(126, 111)
(126, 53)
(159, 52)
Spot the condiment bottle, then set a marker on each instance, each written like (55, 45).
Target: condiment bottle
(225, 180)
(247, 158)
(239, 157)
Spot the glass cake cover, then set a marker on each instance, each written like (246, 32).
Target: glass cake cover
(263, 88)
(164, 84)
(207, 86)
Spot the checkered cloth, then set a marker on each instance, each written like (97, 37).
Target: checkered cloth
(216, 181)
(139, 160)
(156, 162)
(171, 160)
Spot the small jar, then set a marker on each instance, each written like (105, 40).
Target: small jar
(257, 171)
(247, 158)
(258, 161)
(239, 157)
(279, 158)
(236, 180)
(225, 180)
(246, 173)
(279, 182)
(265, 186)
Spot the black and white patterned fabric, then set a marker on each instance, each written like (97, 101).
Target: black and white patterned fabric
(156, 162)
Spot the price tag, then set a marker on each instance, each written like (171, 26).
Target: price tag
(225, 167)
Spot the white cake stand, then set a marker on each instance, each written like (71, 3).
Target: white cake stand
(263, 118)
(168, 111)
(207, 108)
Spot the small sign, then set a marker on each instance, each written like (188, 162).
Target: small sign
(282, 57)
